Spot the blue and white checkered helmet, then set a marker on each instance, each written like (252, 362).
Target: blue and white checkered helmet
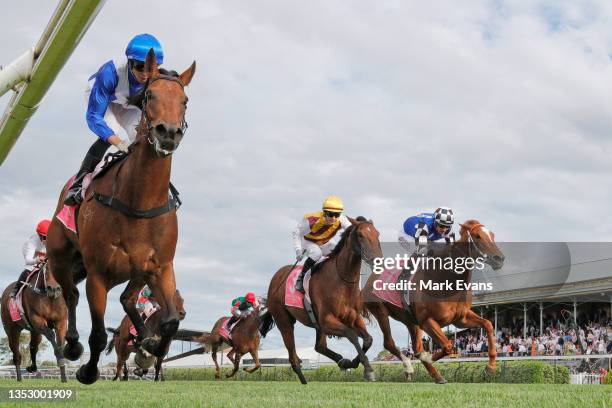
(444, 216)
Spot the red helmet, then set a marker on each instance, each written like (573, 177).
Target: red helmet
(250, 297)
(43, 227)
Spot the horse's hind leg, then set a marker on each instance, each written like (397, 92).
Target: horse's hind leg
(214, 357)
(382, 317)
(97, 297)
(158, 367)
(255, 354)
(285, 324)
(237, 357)
(13, 340)
(61, 327)
(35, 339)
(470, 320)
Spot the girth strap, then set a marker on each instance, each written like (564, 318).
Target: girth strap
(174, 202)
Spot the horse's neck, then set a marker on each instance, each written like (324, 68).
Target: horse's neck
(146, 177)
(348, 263)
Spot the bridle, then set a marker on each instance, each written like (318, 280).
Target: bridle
(472, 241)
(145, 116)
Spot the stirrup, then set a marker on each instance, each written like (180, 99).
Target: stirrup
(299, 285)
(73, 197)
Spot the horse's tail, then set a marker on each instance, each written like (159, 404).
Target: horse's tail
(266, 323)
(111, 344)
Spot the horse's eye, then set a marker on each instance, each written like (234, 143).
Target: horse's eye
(150, 95)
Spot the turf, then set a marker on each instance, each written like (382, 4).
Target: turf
(288, 394)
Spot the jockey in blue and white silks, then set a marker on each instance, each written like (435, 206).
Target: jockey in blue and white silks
(108, 110)
(427, 227)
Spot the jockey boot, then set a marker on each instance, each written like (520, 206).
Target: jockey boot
(231, 321)
(299, 282)
(74, 194)
(19, 283)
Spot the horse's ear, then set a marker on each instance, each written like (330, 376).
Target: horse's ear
(352, 220)
(186, 76)
(462, 225)
(151, 64)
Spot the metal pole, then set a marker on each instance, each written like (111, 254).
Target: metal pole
(541, 318)
(575, 306)
(482, 314)
(524, 320)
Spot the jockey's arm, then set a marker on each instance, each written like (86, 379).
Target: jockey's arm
(29, 251)
(302, 228)
(102, 93)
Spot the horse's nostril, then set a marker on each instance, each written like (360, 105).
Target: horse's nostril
(161, 129)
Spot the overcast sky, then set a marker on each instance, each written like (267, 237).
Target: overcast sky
(502, 111)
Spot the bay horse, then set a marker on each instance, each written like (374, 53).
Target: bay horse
(46, 314)
(335, 294)
(433, 310)
(123, 341)
(130, 234)
(245, 339)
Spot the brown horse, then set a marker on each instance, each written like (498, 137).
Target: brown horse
(245, 339)
(435, 310)
(128, 228)
(334, 290)
(45, 311)
(123, 340)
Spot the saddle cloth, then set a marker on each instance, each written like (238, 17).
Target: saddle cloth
(392, 296)
(295, 298)
(16, 305)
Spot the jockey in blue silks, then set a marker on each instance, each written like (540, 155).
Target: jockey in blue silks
(427, 227)
(108, 109)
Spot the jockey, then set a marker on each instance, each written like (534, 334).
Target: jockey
(34, 251)
(146, 303)
(242, 306)
(317, 235)
(108, 109)
(428, 227)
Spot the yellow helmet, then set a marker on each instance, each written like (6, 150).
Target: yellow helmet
(333, 203)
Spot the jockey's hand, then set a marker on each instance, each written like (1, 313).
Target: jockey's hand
(119, 143)
(299, 253)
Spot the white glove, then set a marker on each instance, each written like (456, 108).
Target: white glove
(299, 252)
(123, 146)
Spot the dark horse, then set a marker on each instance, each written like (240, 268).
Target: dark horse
(435, 309)
(45, 311)
(122, 338)
(116, 242)
(334, 290)
(245, 339)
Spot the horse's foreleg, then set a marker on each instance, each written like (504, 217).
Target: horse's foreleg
(417, 346)
(237, 357)
(163, 287)
(431, 327)
(97, 297)
(255, 355)
(35, 339)
(471, 320)
(362, 332)
(331, 325)
(158, 367)
(66, 272)
(60, 336)
(128, 299)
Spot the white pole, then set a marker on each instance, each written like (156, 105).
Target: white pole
(17, 71)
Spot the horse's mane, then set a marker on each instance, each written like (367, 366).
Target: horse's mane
(345, 236)
(137, 98)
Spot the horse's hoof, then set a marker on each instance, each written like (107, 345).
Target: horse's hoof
(425, 357)
(408, 376)
(144, 360)
(441, 381)
(31, 369)
(86, 377)
(369, 375)
(345, 364)
(73, 351)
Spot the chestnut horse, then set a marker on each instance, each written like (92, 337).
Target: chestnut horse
(334, 291)
(122, 338)
(245, 339)
(46, 314)
(434, 309)
(132, 236)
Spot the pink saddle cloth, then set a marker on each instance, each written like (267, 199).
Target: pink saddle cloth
(14, 308)
(224, 331)
(293, 298)
(67, 214)
(392, 296)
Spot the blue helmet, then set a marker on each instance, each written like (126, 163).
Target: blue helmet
(140, 45)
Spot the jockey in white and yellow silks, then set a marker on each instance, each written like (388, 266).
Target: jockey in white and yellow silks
(317, 234)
